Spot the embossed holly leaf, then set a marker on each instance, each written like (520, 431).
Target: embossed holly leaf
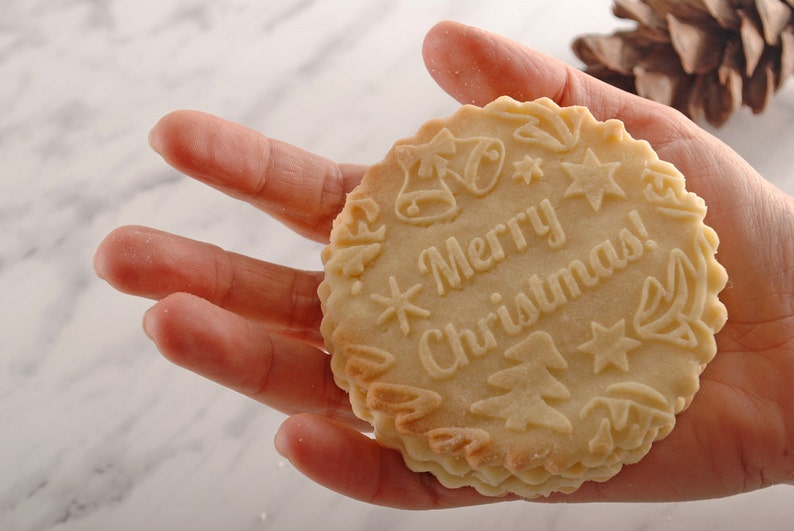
(350, 262)
(358, 238)
(635, 415)
(469, 443)
(665, 188)
(406, 403)
(365, 363)
(359, 228)
(667, 312)
(529, 385)
(544, 123)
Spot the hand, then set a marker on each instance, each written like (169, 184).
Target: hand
(253, 326)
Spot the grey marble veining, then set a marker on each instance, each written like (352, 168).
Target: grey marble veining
(97, 431)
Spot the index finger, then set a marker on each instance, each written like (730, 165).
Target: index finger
(302, 190)
(475, 66)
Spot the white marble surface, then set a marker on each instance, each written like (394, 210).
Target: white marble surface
(97, 431)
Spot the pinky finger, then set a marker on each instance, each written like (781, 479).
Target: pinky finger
(349, 462)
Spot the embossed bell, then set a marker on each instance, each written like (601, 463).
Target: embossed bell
(482, 166)
(425, 197)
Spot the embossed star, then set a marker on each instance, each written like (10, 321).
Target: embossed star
(398, 305)
(528, 169)
(593, 179)
(609, 346)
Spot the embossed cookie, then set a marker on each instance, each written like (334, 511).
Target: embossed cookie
(521, 298)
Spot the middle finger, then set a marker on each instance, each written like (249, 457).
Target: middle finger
(154, 264)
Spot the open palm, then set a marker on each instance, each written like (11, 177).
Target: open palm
(254, 326)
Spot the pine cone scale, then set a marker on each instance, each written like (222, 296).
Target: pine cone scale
(775, 17)
(699, 47)
(723, 13)
(786, 56)
(752, 41)
(707, 58)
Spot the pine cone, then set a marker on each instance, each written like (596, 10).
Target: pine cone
(706, 58)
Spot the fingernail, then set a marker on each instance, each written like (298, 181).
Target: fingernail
(155, 141)
(99, 264)
(147, 326)
(281, 444)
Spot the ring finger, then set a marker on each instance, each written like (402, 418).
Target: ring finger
(283, 373)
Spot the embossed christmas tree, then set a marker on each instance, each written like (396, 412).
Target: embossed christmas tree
(529, 385)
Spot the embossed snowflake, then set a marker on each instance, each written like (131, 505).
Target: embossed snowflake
(399, 306)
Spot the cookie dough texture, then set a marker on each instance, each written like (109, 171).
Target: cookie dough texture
(521, 298)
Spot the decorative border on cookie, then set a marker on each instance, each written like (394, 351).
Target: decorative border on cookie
(630, 416)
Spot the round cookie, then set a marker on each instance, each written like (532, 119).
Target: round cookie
(521, 298)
